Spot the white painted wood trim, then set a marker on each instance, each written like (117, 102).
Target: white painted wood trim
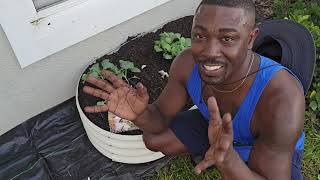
(35, 35)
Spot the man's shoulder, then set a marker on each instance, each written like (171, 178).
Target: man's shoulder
(282, 99)
(280, 81)
(284, 84)
(182, 66)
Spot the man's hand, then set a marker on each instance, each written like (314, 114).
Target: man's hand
(121, 99)
(220, 134)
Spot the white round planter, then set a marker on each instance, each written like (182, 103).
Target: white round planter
(128, 149)
(120, 148)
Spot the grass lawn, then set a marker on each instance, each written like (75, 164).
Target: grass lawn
(311, 157)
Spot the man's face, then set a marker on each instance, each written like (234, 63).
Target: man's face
(221, 37)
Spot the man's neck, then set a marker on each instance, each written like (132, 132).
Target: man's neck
(238, 77)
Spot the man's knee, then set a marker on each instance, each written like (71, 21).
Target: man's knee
(166, 143)
(151, 142)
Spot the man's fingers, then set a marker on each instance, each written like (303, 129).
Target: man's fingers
(214, 131)
(227, 123)
(96, 109)
(204, 164)
(96, 92)
(219, 156)
(104, 85)
(142, 92)
(213, 108)
(116, 82)
(224, 142)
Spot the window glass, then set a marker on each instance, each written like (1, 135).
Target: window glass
(42, 4)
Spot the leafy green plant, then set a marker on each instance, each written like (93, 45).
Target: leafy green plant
(121, 72)
(314, 98)
(93, 71)
(171, 44)
(304, 12)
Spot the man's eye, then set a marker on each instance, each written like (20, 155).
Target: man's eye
(197, 36)
(227, 39)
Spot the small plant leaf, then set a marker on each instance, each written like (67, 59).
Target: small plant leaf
(188, 42)
(95, 74)
(157, 48)
(95, 68)
(166, 46)
(168, 40)
(313, 94)
(313, 105)
(183, 41)
(101, 103)
(114, 69)
(167, 56)
(157, 43)
(126, 64)
(135, 77)
(84, 77)
(174, 51)
(106, 64)
(135, 70)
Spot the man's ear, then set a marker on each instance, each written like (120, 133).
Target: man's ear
(252, 37)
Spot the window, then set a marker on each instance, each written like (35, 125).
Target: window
(39, 28)
(42, 4)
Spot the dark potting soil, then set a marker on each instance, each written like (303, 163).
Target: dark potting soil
(139, 50)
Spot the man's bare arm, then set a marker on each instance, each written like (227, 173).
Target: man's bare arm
(173, 98)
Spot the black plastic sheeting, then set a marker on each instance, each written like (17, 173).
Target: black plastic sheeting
(54, 145)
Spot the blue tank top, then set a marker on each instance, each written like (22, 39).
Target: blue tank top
(243, 139)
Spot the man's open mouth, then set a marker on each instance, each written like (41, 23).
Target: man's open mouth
(212, 67)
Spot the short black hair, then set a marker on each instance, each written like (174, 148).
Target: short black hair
(245, 4)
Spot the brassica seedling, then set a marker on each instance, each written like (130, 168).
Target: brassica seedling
(93, 71)
(171, 44)
(122, 72)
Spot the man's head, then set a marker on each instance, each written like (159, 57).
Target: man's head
(223, 33)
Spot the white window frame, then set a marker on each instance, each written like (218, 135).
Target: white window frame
(35, 35)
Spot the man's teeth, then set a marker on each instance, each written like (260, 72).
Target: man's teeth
(212, 68)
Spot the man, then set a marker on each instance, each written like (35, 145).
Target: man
(248, 124)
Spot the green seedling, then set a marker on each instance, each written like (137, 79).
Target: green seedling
(171, 44)
(95, 71)
(121, 72)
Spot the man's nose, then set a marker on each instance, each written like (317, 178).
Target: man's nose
(212, 49)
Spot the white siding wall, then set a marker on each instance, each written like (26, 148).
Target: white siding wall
(27, 92)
